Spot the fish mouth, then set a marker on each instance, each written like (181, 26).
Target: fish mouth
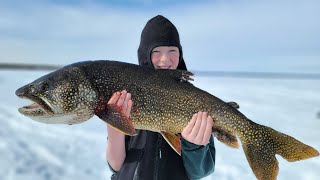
(39, 107)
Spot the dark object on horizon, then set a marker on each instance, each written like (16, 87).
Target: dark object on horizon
(22, 66)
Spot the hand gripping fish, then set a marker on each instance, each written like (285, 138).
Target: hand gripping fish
(164, 102)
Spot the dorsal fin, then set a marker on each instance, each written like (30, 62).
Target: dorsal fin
(181, 75)
(234, 104)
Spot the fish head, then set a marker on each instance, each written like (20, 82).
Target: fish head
(64, 96)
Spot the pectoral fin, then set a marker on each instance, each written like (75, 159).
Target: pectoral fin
(225, 137)
(173, 140)
(234, 104)
(114, 116)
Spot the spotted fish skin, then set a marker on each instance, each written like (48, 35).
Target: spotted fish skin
(164, 101)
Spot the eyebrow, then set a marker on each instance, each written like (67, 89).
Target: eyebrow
(173, 50)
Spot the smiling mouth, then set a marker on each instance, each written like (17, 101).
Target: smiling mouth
(38, 108)
(164, 67)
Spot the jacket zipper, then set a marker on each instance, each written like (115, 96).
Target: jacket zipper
(158, 157)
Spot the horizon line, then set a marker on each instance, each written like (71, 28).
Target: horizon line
(216, 73)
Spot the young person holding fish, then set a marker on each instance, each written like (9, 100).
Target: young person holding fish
(148, 155)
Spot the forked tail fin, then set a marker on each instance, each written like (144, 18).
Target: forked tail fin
(264, 143)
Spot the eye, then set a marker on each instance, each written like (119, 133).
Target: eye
(44, 87)
(155, 52)
(173, 51)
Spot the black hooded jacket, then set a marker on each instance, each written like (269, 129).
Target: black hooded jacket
(159, 31)
(148, 155)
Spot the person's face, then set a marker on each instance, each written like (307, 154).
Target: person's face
(165, 57)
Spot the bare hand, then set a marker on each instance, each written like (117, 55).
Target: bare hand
(116, 140)
(199, 129)
(122, 100)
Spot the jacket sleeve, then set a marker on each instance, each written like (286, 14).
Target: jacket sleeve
(199, 161)
(111, 169)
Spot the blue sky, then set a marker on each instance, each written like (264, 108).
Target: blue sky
(216, 35)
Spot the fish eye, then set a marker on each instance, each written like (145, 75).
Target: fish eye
(44, 87)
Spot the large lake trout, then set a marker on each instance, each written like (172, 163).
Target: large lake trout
(164, 101)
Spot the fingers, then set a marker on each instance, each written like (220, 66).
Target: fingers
(123, 100)
(199, 129)
(208, 130)
(129, 107)
(197, 125)
(125, 97)
(200, 133)
(127, 102)
(187, 130)
(114, 98)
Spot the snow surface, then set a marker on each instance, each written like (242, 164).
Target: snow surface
(35, 151)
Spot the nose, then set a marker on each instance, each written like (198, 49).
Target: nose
(164, 57)
(23, 90)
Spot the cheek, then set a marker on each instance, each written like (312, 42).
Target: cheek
(155, 61)
(175, 61)
(155, 57)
